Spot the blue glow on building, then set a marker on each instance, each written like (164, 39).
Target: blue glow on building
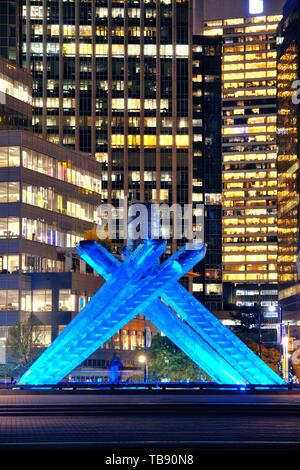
(140, 284)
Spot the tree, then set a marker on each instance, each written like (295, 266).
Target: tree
(23, 342)
(270, 356)
(167, 361)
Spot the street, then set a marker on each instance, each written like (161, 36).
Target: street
(149, 421)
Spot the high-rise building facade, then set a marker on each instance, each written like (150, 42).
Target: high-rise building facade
(207, 164)
(288, 160)
(10, 30)
(112, 79)
(249, 197)
(15, 97)
(48, 202)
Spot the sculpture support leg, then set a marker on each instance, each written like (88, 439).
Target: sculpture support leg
(211, 330)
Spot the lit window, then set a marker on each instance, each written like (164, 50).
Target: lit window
(117, 140)
(117, 50)
(182, 141)
(166, 140)
(67, 301)
(134, 140)
(150, 140)
(101, 49)
(9, 299)
(42, 300)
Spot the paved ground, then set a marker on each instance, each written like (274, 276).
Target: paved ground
(149, 421)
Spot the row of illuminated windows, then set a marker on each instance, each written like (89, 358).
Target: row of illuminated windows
(249, 157)
(134, 140)
(250, 184)
(126, 340)
(248, 203)
(135, 121)
(63, 171)
(246, 93)
(11, 87)
(250, 212)
(135, 176)
(37, 230)
(10, 157)
(10, 264)
(250, 249)
(249, 130)
(252, 120)
(36, 12)
(43, 232)
(250, 277)
(250, 267)
(249, 221)
(156, 194)
(250, 65)
(238, 48)
(240, 21)
(48, 199)
(257, 75)
(40, 300)
(245, 186)
(251, 258)
(249, 230)
(250, 57)
(249, 194)
(270, 292)
(247, 32)
(210, 289)
(250, 239)
(262, 109)
(249, 175)
(251, 84)
(131, 104)
(134, 104)
(69, 31)
(117, 50)
(240, 141)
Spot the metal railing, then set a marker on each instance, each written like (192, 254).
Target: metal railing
(168, 387)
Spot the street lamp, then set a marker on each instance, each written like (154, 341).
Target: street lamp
(285, 355)
(143, 360)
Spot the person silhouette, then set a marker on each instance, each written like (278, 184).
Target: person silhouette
(115, 367)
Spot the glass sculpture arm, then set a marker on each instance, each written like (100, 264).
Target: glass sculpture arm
(210, 330)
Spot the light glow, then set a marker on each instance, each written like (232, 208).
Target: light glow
(256, 7)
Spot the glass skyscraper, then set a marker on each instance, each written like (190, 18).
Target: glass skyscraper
(288, 159)
(249, 151)
(207, 164)
(10, 30)
(112, 79)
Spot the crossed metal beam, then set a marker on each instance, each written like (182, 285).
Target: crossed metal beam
(141, 284)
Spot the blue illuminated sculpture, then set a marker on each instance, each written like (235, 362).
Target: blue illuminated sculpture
(141, 284)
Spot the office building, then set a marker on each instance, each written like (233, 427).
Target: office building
(15, 97)
(48, 202)
(10, 30)
(113, 80)
(288, 160)
(249, 198)
(207, 164)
